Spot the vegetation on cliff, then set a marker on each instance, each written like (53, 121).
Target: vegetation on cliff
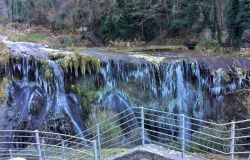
(4, 56)
(3, 85)
(86, 95)
(73, 63)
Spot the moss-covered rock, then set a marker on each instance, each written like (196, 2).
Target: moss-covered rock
(4, 55)
(86, 95)
(3, 85)
(78, 64)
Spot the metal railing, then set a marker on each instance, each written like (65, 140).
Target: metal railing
(131, 128)
(45, 145)
(187, 135)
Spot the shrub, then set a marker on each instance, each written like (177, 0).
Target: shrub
(62, 41)
(110, 132)
(202, 138)
(86, 94)
(210, 44)
(4, 21)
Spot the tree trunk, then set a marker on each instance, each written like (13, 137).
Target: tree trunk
(216, 21)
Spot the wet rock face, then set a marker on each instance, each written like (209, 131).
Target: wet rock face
(239, 103)
(29, 103)
(198, 87)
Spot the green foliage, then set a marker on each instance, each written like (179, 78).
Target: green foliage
(133, 19)
(87, 95)
(237, 19)
(202, 138)
(177, 24)
(4, 56)
(120, 23)
(210, 44)
(4, 21)
(21, 10)
(245, 14)
(35, 37)
(32, 37)
(111, 132)
(5, 81)
(66, 41)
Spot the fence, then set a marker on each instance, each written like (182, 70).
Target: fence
(44, 145)
(130, 128)
(189, 136)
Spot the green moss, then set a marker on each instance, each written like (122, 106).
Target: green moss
(54, 54)
(72, 63)
(4, 55)
(3, 86)
(85, 94)
(47, 71)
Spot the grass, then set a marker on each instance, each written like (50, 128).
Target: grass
(148, 48)
(33, 37)
(55, 153)
(107, 153)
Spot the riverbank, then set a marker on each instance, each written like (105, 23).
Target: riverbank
(73, 42)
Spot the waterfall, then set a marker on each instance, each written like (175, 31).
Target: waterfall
(168, 82)
(174, 85)
(61, 100)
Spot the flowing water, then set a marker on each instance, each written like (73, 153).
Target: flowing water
(172, 84)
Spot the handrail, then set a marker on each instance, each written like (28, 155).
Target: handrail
(130, 128)
(166, 129)
(53, 144)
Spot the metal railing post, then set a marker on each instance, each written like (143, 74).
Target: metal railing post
(63, 151)
(38, 145)
(10, 152)
(44, 149)
(232, 143)
(142, 126)
(183, 135)
(95, 150)
(99, 140)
